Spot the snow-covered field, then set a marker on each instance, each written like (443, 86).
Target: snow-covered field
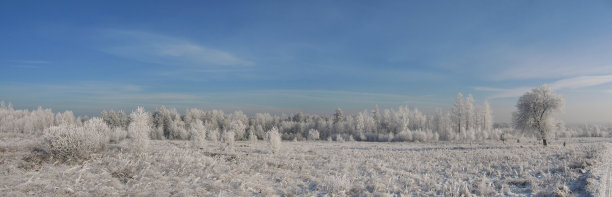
(311, 169)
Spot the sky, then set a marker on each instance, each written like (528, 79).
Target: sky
(305, 56)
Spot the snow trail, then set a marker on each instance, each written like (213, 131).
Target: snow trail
(607, 179)
(608, 183)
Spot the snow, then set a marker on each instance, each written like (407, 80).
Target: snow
(601, 178)
(307, 168)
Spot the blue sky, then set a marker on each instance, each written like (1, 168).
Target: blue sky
(310, 56)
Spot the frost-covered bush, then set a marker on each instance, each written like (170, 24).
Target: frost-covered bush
(419, 136)
(198, 134)
(339, 138)
(313, 134)
(138, 130)
(98, 130)
(274, 140)
(71, 142)
(404, 136)
(228, 141)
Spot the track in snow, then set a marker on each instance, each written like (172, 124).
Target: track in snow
(607, 184)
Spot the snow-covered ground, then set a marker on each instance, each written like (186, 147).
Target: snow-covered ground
(490, 168)
(602, 174)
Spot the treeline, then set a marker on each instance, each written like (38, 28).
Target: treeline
(464, 121)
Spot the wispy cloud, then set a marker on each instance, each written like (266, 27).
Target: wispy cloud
(511, 60)
(568, 83)
(582, 81)
(166, 50)
(529, 71)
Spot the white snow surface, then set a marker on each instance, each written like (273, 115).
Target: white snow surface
(312, 168)
(601, 178)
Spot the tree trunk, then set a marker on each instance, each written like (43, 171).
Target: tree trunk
(544, 141)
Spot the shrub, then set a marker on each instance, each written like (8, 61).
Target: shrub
(274, 140)
(339, 138)
(313, 134)
(404, 136)
(70, 142)
(98, 131)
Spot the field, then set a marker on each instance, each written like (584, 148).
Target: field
(308, 168)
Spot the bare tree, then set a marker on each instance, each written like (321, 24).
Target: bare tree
(535, 110)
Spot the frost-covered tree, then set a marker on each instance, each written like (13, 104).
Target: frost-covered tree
(192, 115)
(238, 128)
(138, 130)
(338, 116)
(169, 124)
(486, 117)
(535, 109)
(66, 118)
(252, 136)
(115, 119)
(468, 107)
(259, 131)
(376, 115)
(458, 113)
(313, 134)
(198, 134)
(274, 140)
